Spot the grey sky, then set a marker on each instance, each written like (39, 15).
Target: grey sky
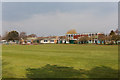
(51, 18)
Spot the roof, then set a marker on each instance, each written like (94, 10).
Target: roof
(49, 37)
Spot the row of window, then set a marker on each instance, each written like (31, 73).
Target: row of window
(47, 40)
(88, 35)
(92, 34)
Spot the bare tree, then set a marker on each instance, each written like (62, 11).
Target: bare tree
(32, 35)
(4, 37)
(23, 35)
(84, 39)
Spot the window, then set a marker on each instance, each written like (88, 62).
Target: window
(45, 40)
(89, 34)
(51, 40)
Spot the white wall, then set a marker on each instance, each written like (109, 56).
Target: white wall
(42, 41)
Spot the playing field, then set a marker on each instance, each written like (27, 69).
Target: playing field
(60, 61)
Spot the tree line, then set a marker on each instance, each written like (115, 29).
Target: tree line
(14, 35)
(112, 37)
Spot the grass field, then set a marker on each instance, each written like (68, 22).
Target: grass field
(60, 61)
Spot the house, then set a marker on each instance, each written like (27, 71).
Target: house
(53, 39)
(50, 39)
(28, 40)
(3, 41)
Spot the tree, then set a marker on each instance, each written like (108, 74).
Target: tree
(4, 37)
(23, 35)
(32, 35)
(112, 33)
(72, 31)
(13, 35)
(0, 37)
(116, 38)
(102, 38)
(62, 37)
(113, 36)
(84, 39)
(108, 39)
(117, 32)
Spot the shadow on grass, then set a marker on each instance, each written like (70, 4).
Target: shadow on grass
(6, 71)
(55, 71)
(102, 72)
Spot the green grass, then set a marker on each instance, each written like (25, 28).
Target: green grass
(59, 60)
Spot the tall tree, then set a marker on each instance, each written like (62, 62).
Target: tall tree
(113, 37)
(13, 35)
(112, 33)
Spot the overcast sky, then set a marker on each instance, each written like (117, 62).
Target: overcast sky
(56, 18)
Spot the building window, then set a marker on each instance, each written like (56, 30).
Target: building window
(71, 35)
(89, 34)
(45, 40)
(51, 40)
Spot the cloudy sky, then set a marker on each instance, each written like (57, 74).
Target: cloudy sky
(56, 18)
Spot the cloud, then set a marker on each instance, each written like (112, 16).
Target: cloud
(58, 23)
(18, 11)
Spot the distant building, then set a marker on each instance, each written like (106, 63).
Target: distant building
(68, 38)
(50, 39)
(93, 37)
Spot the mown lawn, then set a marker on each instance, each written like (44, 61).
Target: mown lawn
(60, 61)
